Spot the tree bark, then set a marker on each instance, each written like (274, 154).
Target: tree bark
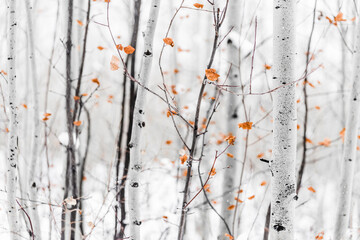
(231, 166)
(11, 177)
(282, 165)
(71, 168)
(349, 153)
(36, 130)
(139, 123)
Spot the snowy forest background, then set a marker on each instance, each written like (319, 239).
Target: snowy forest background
(324, 63)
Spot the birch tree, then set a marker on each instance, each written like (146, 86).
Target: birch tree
(11, 177)
(139, 123)
(71, 167)
(349, 152)
(282, 166)
(36, 129)
(230, 175)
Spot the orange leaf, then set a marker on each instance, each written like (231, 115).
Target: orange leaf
(330, 21)
(229, 236)
(168, 142)
(263, 183)
(3, 72)
(267, 67)
(47, 114)
(260, 155)
(80, 22)
(309, 141)
(76, 98)
(238, 200)
(213, 172)
(325, 143)
(129, 49)
(100, 48)
(114, 63)
(311, 189)
(169, 41)
(119, 46)
(24, 105)
(84, 178)
(198, 5)
(317, 107)
(339, 17)
(252, 197)
(298, 127)
(342, 134)
(45, 119)
(211, 74)
(84, 94)
(207, 188)
(183, 158)
(246, 125)
(230, 155)
(230, 139)
(7, 130)
(164, 217)
(231, 207)
(95, 80)
(77, 123)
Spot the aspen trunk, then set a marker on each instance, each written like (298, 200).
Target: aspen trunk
(139, 123)
(349, 154)
(11, 177)
(230, 176)
(36, 130)
(282, 165)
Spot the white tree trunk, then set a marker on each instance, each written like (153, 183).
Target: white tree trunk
(349, 154)
(230, 176)
(139, 123)
(14, 224)
(36, 130)
(282, 165)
